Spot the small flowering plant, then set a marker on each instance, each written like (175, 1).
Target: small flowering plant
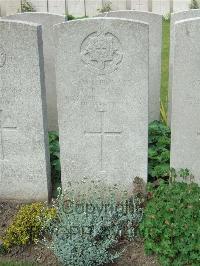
(87, 228)
(28, 225)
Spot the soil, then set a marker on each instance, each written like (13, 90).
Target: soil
(134, 256)
(40, 255)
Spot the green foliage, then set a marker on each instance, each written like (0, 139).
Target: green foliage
(171, 226)
(159, 151)
(54, 148)
(27, 225)
(106, 7)
(195, 4)
(184, 174)
(167, 16)
(2, 249)
(163, 114)
(26, 6)
(71, 17)
(165, 63)
(87, 231)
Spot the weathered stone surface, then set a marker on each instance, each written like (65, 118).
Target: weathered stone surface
(175, 17)
(24, 157)
(102, 90)
(47, 21)
(185, 122)
(155, 46)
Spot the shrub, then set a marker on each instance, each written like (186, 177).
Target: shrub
(195, 4)
(70, 17)
(26, 6)
(171, 227)
(87, 231)
(159, 151)
(106, 7)
(27, 224)
(167, 16)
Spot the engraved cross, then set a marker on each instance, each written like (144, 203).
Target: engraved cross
(102, 133)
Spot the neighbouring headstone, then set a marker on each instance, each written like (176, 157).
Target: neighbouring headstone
(192, 13)
(185, 119)
(24, 154)
(102, 90)
(155, 48)
(47, 21)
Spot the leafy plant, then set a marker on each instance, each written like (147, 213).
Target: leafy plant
(87, 230)
(195, 4)
(27, 225)
(71, 17)
(55, 154)
(2, 249)
(26, 6)
(54, 148)
(184, 174)
(171, 227)
(106, 7)
(159, 151)
(167, 16)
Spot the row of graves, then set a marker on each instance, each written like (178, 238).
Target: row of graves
(97, 82)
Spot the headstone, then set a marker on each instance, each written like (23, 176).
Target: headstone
(155, 46)
(175, 17)
(93, 7)
(9, 7)
(185, 122)
(47, 21)
(24, 157)
(77, 8)
(102, 90)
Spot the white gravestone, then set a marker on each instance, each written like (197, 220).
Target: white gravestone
(174, 18)
(24, 154)
(102, 89)
(47, 21)
(155, 47)
(185, 120)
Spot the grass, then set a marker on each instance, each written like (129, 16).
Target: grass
(165, 63)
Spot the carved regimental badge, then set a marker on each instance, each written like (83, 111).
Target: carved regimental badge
(101, 52)
(2, 56)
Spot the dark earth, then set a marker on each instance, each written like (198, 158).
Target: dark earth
(40, 255)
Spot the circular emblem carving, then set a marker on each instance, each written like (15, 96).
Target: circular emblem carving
(101, 52)
(2, 56)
